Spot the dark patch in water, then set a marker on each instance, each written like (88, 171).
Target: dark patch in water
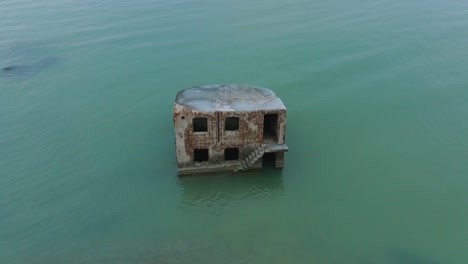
(25, 70)
(15, 68)
(9, 68)
(402, 256)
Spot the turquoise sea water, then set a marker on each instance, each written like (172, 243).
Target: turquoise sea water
(377, 98)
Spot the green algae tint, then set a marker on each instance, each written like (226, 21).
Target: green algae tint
(377, 127)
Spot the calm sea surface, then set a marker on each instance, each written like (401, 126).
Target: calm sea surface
(377, 98)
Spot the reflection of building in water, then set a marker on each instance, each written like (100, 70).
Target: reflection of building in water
(218, 190)
(228, 127)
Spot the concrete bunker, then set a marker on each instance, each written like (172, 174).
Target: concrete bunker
(228, 127)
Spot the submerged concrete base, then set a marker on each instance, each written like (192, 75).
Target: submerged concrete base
(206, 167)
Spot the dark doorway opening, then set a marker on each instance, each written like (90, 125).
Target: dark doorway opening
(269, 160)
(231, 154)
(270, 127)
(200, 155)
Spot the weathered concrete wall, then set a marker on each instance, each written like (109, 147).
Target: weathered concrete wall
(216, 139)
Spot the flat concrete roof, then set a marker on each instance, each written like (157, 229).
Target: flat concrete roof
(229, 97)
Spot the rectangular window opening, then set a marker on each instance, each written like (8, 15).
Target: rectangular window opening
(231, 154)
(231, 124)
(200, 155)
(200, 124)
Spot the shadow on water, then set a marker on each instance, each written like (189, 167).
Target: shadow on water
(23, 59)
(20, 70)
(217, 190)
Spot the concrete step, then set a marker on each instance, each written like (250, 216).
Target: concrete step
(253, 157)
